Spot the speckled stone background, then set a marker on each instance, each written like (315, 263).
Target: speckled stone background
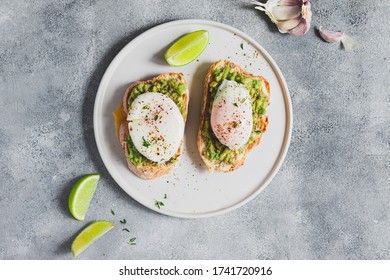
(330, 200)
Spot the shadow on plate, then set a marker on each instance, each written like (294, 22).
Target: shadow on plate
(159, 58)
(193, 117)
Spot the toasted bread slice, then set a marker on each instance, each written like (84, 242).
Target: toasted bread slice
(149, 170)
(236, 159)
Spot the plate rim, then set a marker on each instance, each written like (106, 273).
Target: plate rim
(286, 96)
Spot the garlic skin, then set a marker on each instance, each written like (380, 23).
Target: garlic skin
(290, 16)
(337, 36)
(348, 43)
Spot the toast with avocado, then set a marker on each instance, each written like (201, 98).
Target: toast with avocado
(232, 100)
(153, 114)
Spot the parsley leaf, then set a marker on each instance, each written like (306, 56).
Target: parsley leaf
(112, 212)
(235, 124)
(156, 117)
(243, 100)
(132, 241)
(123, 221)
(145, 143)
(235, 104)
(242, 46)
(125, 229)
(159, 204)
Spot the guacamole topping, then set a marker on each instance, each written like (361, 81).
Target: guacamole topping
(171, 88)
(215, 150)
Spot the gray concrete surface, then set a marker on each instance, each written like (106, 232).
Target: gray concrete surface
(330, 200)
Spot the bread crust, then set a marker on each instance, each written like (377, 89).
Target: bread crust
(149, 172)
(202, 144)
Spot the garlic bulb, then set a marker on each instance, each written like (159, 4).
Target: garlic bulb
(337, 36)
(292, 16)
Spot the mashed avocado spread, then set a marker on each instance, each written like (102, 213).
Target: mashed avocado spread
(216, 150)
(171, 88)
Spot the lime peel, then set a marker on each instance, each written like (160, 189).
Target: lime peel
(81, 195)
(187, 48)
(89, 235)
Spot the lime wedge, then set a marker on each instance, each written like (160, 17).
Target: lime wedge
(81, 195)
(89, 235)
(187, 48)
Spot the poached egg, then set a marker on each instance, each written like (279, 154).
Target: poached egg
(231, 115)
(156, 126)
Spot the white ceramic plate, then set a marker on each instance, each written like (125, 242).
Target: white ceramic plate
(191, 190)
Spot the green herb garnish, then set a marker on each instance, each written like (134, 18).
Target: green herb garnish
(156, 117)
(235, 104)
(145, 107)
(242, 46)
(243, 100)
(257, 132)
(159, 204)
(112, 212)
(165, 196)
(123, 222)
(145, 143)
(132, 241)
(125, 229)
(235, 124)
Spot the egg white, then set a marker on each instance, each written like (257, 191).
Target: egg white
(156, 126)
(231, 115)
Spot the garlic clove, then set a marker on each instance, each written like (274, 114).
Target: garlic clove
(289, 2)
(306, 11)
(348, 43)
(286, 25)
(331, 36)
(286, 12)
(301, 28)
(304, 26)
(292, 16)
(337, 36)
